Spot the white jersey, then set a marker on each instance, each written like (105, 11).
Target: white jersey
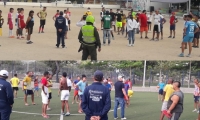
(157, 19)
(64, 15)
(150, 18)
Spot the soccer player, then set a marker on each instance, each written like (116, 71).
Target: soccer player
(1, 23)
(65, 88)
(10, 22)
(56, 15)
(190, 29)
(21, 23)
(81, 85)
(50, 84)
(36, 85)
(196, 96)
(88, 12)
(173, 21)
(45, 94)
(106, 25)
(76, 96)
(143, 24)
(68, 13)
(29, 26)
(42, 15)
(27, 88)
(15, 83)
(119, 21)
(161, 86)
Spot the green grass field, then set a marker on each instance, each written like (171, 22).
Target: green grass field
(144, 106)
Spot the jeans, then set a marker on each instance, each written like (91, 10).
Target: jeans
(5, 115)
(131, 36)
(106, 33)
(60, 37)
(122, 105)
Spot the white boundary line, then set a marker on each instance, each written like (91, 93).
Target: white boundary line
(28, 113)
(61, 116)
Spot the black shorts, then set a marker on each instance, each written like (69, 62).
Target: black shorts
(15, 88)
(69, 21)
(50, 96)
(160, 92)
(42, 22)
(30, 30)
(155, 28)
(196, 35)
(149, 23)
(28, 92)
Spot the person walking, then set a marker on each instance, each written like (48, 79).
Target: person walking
(167, 92)
(60, 25)
(175, 103)
(96, 95)
(89, 39)
(120, 94)
(15, 83)
(65, 88)
(6, 96)
(131, 26)
(106, 25)
(42, 15)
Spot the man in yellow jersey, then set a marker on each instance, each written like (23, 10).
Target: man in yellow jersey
(15, 82)
(42, 15)
(88, 12)
(27, 88)
(168, 90)
(50, 84)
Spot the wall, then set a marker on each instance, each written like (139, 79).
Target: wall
(157, 5)
(62, 5)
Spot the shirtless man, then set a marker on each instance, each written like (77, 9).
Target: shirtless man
(65, 88)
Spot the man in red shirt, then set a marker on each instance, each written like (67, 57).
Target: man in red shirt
(173, 21)
(45, 93)
(143, 23)
(56, 15)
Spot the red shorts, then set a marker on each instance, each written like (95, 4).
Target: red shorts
(75, 92)
(142, 29)
(10, 25)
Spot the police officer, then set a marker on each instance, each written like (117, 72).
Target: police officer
(96, 95)
(6, 96)
(60, 25)
(89, 39)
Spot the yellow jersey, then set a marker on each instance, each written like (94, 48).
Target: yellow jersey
(88, 13)
(124, 19)
(27, 83)
(168, 91)
(14, 82)
(49, 88)
(43, 15)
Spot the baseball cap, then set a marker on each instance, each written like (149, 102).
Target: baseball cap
(98, 75)
(4, 73)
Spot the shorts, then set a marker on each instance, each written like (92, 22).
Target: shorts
(69, 21)
(28, 92)
(119, 24)
(66, 28)
(196, 35)
(30, 30)
(149, 23)
(80, 97)
(11, 26)
(64, 95)
(172, 27)
(75, 92)
(164, 106)
(175, 116)
(142, 29)
(196, 98)
(42, 22)
(123, 24)
(36, 88)
(44, 98)
(1, 32)
(160, 92)
(156, 28)
(188, 38)
(113, 23)
(50, 96)
(15, 88)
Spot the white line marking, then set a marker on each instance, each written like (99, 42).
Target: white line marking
(28, 113)
(61, 116)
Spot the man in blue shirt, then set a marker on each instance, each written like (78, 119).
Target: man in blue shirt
(161, 86)
(96, 101)
(190, 29)
(6, 96)
(106, 84)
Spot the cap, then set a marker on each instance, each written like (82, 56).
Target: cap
(4, 73)
(98, 75)
(120, 76)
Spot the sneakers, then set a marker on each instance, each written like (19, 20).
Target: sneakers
(29, 42)
(116, 118)
(173, 37)
(152, 39)
(188, 55)
(146, 37)
(156, 39)
(123, 118)
(67, 114)
(48, 109)
(170, 37)
(181, 55)
(194, 110)
(129, 45)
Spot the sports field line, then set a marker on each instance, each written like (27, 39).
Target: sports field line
(61, 116)
(28, 113)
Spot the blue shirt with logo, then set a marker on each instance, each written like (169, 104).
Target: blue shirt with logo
(161, 86)
(190, 28)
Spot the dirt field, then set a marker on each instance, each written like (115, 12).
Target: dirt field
(44, 47)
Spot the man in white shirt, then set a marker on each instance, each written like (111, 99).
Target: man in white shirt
(82, 21)
(149, 21)
(67, 18)
(157, 27)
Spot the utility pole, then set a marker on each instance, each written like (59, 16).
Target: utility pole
(144, 76)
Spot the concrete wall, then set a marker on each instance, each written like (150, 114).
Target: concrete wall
(62, 5)
(157, 5)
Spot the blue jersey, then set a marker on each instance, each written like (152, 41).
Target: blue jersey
(190, 28)
(81, 85)
(161, 85)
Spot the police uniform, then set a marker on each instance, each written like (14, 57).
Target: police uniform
(89, 39)
(96, 99)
